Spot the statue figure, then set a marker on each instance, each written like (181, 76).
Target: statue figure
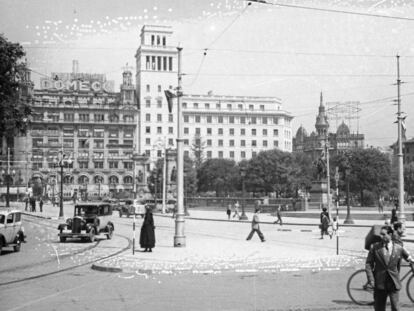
(173, 174)
(320, 165)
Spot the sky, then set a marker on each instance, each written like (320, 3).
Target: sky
(232, 48)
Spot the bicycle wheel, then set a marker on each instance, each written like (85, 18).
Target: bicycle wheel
(410, 288)
(357, 289)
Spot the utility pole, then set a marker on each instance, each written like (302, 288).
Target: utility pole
(164, 177)
(328, 182)
(401, 214)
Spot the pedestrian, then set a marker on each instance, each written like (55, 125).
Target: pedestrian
(394, 217)
(279, 216)
(383, 270)
(32, 202)
(236, 210)
(381, 205)
(228, 211)
(324, 222)
(256, 227)
(53, 201)
(26, 203)
(398, 233)
(147, 236)
(41, 205)
(334, 227)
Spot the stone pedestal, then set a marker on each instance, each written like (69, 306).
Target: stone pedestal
(318, 194)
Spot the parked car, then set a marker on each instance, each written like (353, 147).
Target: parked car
(89, 220)
(131, 207)
(11, 229)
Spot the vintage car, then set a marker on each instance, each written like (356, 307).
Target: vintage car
(11, 229)
(131, 207)
(89, 219)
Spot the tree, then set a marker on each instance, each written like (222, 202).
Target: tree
(14, 107)
(190, 177)
(197, 148)
(219, 175)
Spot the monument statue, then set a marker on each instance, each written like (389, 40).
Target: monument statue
(320, 165)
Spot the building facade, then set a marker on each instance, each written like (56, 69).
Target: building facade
(233, 127)
(79, 115)
(339, 141)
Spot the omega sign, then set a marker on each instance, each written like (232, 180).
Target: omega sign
(77, 85)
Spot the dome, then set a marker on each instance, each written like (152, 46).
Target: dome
(301, 133)
(343, 130)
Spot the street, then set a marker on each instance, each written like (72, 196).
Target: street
(58, 276)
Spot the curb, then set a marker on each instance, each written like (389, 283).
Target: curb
(37, 216)
(106, 268)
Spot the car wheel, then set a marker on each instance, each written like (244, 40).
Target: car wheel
(17, 246)
(62, 239)
(110, 232)
(92, 235)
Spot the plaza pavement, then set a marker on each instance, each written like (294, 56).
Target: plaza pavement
(291, 247)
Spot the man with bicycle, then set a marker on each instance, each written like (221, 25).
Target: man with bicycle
(383, 269)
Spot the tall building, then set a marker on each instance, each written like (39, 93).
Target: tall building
(80, 116)
(233, 127)
(339, 141)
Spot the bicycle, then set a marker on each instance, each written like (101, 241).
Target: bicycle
(362, 293)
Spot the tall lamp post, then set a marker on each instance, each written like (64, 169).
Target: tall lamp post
(243, 174)
(62, 160)
(8, 179)
(348, 219)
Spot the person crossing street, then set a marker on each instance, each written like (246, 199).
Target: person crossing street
(256, 227)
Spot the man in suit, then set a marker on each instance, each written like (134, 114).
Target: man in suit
(383, 270)
(255, 226)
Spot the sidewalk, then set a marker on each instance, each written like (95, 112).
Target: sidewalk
(216, 245)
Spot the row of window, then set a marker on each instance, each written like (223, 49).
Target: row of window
(37, 165)
(83, 117)
(232, 119)
(159, 63)
(231, 131)
(82, 143)
(219, 106)
(220, 143)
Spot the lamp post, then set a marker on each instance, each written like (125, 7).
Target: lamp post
(243, 174)
(99, 187)
(8, 178)
(337, 208)
(348, 219)
(62, 160)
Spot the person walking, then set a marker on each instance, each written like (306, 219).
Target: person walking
(383, 270)
(279, 216)
(228, 211)
(26, 203)
(334, 227)
(32, 204)
(394, 217)
(236, 210)
(381, 205)
(256, 227)
(324, 222)
(147, 236)
(41, 205)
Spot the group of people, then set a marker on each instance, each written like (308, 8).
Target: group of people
(326, 223)
(32, 202)
(233, 208)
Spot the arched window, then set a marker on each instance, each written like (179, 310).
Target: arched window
(98, 179)
(127, 180)
(68, 179)
(113, 180)
(83, 180)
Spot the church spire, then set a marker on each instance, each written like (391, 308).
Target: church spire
(321, 124)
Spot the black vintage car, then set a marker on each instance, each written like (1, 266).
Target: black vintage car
(89, 220)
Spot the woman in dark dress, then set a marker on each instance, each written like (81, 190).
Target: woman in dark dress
(147, 237)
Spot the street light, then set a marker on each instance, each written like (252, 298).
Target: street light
(62, 160)
(348, 219)
(8, 179)
(243, 174)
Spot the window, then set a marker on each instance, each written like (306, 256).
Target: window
(240, 106)
(254, 143)
(209, 142)
(209, 119)
(218, 106)
(184, 105)
(98, 164)
(37, 142)
(113, 133)
(83, 165)
(147, 63)
(99, 117)
(264, 120)
(186, 119)
(253, 132)
(243, 143)
(231, 154)
(242, 132)
(198, 131)
(170, 63)
(113, 164)
(253, 120)
(220, 131)
(148, 103)
(220, 154)
(152, 39)
(148, 88)
(68, 143)
(148, 141)
(275, 143)
(159, 117)
(262, 107)
(68, 117)
(84, 117)
(229, 106)
(265, 143)
(159, 88)
(220, 119)
(159, 103)
(148, 130)
(220, 142)
(170, 118)
(186, 130)
(83, 143)
(171, 142)
(170, 130)
(159, 63)
(209, 154)
(163, 41)
(159, 130)
(68, 131)
(251, 108)
(209, 131)
(275, 120)
(98, 133)
(243, 154)
(231, 132)
(231, 119)
(264, 131)
(99, 144)
(186, 142)
(197, 119)
(164, 63)
(207, 105)
(159, 153)
(231, 142)
(127, 166)
(195, 105)
(275, 132)
(153, 63)
(242, 120)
